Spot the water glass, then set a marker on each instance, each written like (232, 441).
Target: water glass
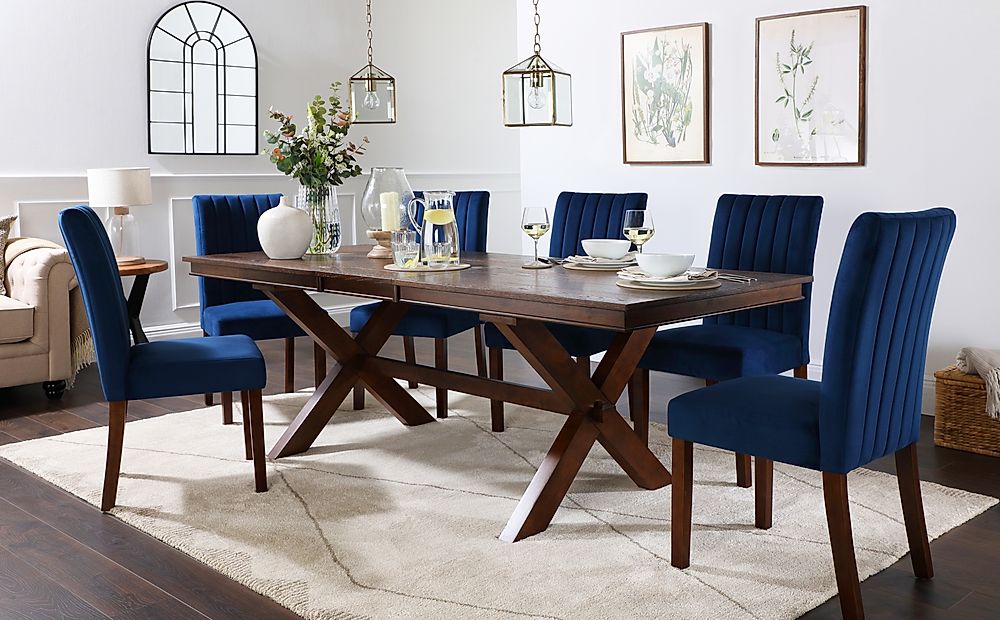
(405, 248)
(439, 255)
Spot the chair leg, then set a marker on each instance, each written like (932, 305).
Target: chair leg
(908, 476)
(480, 351)
(289, 364)
(257, 441)
(441, 363)
(763, 493)
(227, 407)
(410, 357)
(802, 372)
(319, 364)
(247, 440)
(113, 465)
(838, 518)
(638, 402)
(744, 477)
(496, 406)
(359, 390)
(209, 398)
(680, 503)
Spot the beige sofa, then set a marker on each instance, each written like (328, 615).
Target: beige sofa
(35, 318)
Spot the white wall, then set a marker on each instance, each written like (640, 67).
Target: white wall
(74, 97)
(932, 137)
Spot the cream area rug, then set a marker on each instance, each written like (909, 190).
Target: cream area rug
(383, 521)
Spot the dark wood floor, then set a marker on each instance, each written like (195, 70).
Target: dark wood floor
(60, 558)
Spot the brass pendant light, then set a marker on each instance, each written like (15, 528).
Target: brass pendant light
(372, 91)
(536, 92)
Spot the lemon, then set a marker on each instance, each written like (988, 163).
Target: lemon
(439, 217)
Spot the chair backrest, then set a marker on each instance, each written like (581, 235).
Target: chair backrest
(224, 224)
(772, 234)
(101, 286)
(472, 213)
(876, 339)
(580, 216)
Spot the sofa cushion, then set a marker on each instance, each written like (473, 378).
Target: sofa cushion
(5, 225)
(16, 320)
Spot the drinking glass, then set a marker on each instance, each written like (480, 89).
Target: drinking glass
(439, 254)
(638, 227)
(535, 224)
(405, 248)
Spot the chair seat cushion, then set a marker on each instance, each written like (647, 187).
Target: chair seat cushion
(194, 366)
(773, 417)
(421, 321)
(260, 320)
(578, 341)
(17, 320)
(722, 352)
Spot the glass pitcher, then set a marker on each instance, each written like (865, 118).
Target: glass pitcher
(439, 231)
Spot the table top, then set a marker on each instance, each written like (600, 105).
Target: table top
(496, 285)
(146, 267)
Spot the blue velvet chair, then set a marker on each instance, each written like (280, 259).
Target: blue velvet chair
(471, 216)
(154, 369)
(225, 224)
(866, 407)
(753, 233)
(578, 216)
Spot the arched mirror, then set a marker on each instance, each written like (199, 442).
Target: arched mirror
(202, 74)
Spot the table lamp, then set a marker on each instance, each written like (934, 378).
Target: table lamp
(119, 189)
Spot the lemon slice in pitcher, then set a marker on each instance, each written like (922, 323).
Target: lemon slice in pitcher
(439, 217)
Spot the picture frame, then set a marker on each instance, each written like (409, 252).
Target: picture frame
(665, 74)
(810, 88)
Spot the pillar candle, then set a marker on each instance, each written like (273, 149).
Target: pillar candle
(390, 210)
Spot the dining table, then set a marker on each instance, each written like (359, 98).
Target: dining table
(521, 303)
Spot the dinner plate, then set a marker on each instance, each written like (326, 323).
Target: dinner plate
(591, 267)
(625, 261)
(634, 275)
(697, 285)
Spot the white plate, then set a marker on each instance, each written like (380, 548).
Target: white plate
(591, 267)
(636, 275)
(628, 259)
(692, 286)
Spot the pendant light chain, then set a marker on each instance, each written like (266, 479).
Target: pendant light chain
(538, 37)
(370, 30)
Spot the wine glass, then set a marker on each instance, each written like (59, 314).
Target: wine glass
(638, 227)
(535, 223)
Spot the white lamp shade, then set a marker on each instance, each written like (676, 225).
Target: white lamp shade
(119, 187)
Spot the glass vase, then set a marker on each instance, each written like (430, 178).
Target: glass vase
(320, 202)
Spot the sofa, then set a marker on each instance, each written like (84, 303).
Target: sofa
(35, 316)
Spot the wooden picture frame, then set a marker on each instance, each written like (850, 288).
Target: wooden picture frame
(826, 125)
(677, 97)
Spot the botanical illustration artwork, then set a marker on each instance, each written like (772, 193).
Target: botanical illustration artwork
(664, 95)
(810, 88)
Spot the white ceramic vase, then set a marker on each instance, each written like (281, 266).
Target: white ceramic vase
(284, 232)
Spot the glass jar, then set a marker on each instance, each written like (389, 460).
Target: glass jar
(387, 194)
(320, 202)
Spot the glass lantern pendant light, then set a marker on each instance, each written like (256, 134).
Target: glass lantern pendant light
(372, 91)
(536, 92)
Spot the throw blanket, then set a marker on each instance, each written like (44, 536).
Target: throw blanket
(986, 364)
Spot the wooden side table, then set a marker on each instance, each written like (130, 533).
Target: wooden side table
(141, 271)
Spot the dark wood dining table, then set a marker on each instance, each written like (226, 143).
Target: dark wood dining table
(520, 302)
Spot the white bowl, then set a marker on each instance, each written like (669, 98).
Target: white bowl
(664, 265)
(612, 249)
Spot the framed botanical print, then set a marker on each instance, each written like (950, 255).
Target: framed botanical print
(665, 95)
(810, 88)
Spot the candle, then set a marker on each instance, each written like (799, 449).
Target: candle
(390, 210)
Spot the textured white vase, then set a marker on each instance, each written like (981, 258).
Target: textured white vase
(284, 232)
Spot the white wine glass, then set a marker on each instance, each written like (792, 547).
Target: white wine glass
(638, 227)
(535, 224)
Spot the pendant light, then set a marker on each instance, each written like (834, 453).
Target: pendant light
(536, 92)
(372, 91)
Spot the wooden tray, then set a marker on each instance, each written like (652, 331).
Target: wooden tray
(425, 268)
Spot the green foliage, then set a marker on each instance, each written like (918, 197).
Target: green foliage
(799, 57)
(661, 92)
(317, 156)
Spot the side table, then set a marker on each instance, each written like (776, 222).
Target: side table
(141, 271)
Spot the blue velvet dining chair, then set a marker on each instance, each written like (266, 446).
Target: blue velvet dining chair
(577, 216)
(154, 369)
(472, 217)
(866, 407)
(750, 233)
(225, 224)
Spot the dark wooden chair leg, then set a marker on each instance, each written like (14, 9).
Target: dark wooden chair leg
(289, 364)
(638, 402)
(359, 390)
(410, 357)
(247, 440)
(763, 493)
(257, 441)
(113, 465)
(680, 503)
(441, 363)
(480, 351)
(908, 476)
(744, 477)
(802, 372)
(209, 398)
(319, 364)
(496, 406)
(838, 517)
(227, 407)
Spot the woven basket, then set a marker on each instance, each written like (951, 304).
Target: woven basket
(960, 419)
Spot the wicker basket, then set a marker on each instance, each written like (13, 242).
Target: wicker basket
(960, 419)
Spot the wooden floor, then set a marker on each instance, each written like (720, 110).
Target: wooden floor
(60, 558)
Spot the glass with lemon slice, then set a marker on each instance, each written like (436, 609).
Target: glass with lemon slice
(438, 231)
